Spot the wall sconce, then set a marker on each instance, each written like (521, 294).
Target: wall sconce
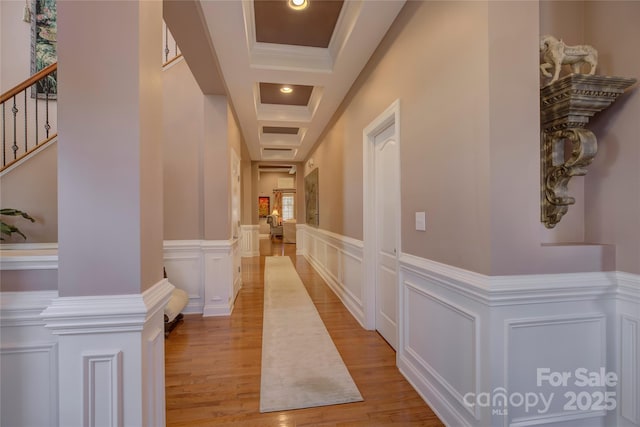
(566, 105)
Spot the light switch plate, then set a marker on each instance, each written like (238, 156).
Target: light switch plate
(421, 221)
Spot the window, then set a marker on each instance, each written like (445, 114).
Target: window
(288, 206)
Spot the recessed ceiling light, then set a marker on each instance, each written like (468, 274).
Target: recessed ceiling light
(298, 4)
(286, 89)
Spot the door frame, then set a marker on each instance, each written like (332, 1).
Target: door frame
(389, 117)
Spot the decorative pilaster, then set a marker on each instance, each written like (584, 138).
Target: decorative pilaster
(566, 107)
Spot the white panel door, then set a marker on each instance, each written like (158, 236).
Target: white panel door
(387, 210)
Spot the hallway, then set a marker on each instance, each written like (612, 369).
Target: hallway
(213, 364)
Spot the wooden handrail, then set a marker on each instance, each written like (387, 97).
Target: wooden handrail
(32, 150)
(29, 82)
(172, 60)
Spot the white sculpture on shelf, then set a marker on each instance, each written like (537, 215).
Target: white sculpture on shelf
(555, 54)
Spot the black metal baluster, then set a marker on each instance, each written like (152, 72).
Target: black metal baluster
(35, 88)
(25, 122)
(176, 50)
(14, 110)
(46, 107)
(166, 43)
(4, 138)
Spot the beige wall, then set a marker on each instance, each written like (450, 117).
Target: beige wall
(199, 134)
(28, 280)
(612, 185)
(216, 171)
(466, 75)
(434, 59)
(15, 42)
(183, 115)
(33, 187)
(247, 189)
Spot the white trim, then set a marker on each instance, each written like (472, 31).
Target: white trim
(30, 156)
(555, 419)
(389, 117)
(28, 246)
(181, 245)
(628, 287)
(106, 313)
(24, 308)
(629, 407)
(29, 259)
(111, 386)
(508, 290)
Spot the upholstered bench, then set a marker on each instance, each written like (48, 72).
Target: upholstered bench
(172, 311)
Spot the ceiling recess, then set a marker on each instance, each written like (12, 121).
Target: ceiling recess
(280, 129)
(270, 94)
(277, 23)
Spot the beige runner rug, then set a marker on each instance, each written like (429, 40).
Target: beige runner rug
(301, 366)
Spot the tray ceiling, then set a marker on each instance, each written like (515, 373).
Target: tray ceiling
(318, 52)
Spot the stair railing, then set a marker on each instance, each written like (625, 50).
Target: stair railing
(26, 124)
(171, 50)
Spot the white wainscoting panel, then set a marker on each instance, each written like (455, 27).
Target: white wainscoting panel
(627, 329)
(250, 240)
(29, 386)
(221, 276)
(455, 368)
(560, 343)
(463, 333)
(28, 361)
(338, 259)
(208, 270)
(183, 263)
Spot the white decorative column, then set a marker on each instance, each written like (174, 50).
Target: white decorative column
(108, 316)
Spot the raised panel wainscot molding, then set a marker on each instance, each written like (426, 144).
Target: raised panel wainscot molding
(338, 259)
(29, 355)
(505, 327)
(102, 378)
(208, 270)
(250, 240)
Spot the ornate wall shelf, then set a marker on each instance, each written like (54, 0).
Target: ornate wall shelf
(566, 106)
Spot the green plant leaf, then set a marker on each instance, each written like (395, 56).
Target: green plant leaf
(10, 229)
(15, 212)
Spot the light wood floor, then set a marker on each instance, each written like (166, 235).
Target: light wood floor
(213, 364)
